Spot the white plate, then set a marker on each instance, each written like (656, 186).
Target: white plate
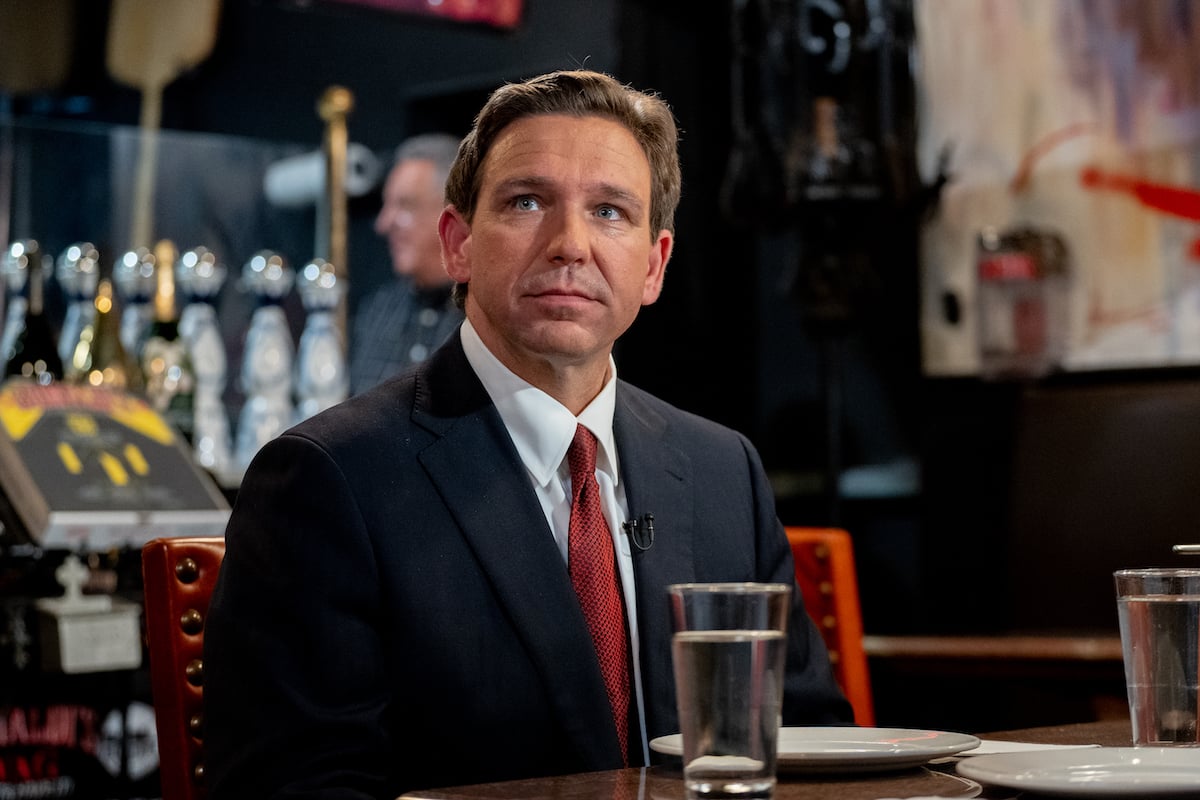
(991, 747)
(1097, 772)
(820, 749)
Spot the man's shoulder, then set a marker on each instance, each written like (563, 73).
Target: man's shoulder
(363, 417)
(437, 390)
(653, 411)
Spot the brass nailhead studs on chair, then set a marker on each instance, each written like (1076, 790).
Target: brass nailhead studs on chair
(191, 622)
(196, 725)
(198, 774)
(187, 570)
(195, 672)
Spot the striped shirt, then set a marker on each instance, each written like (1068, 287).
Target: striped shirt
(396, 327)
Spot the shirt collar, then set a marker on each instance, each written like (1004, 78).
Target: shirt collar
(541, 427)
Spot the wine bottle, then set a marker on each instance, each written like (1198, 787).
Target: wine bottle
(134, 278)
(101, 359)
(77, 270)
(199, 276)
(322, 379)
(166, 366)
(266, 376)
(34, 353)
(14, 272)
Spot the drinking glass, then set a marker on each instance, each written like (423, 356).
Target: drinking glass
(729, 650)
(1159, 615)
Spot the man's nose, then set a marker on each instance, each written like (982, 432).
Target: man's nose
(568, 241)
(383, 220)
(390, 218)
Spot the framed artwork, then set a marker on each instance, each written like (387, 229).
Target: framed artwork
(499, 13)
(1075, 122)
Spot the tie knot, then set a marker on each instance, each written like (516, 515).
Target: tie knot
(581, 456)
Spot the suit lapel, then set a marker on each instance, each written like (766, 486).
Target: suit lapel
(477, 470)
(658, 480)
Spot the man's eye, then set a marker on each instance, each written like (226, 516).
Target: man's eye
(527, 203)
(610, 213)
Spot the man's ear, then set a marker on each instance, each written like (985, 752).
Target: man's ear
(656, 268)
(455, 233)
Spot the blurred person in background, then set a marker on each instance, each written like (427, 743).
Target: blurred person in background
(403, 321)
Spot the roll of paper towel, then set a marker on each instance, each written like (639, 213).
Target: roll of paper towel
(300, 180)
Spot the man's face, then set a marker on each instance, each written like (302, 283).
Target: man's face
(559, 255)
(412, 201)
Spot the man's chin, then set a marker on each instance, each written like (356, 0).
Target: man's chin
(564, 343)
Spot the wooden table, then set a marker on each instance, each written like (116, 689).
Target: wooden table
(987, 649)
(665, 783)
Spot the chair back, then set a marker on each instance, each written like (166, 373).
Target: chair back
(179, 575)
(829, 585)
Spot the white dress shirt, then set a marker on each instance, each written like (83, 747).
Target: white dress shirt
(542, 430)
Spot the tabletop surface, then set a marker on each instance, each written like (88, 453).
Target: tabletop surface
(666, 783)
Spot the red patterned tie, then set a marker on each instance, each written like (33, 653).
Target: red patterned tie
(593, 569)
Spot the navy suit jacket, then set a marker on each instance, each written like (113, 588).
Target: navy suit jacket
(393, 612)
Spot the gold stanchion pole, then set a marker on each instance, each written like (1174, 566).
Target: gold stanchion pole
(334, 106)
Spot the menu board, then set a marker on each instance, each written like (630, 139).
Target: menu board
(86, 468)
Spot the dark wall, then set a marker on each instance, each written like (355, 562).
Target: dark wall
(1104, 478)
(697, 346)
(1034, 493)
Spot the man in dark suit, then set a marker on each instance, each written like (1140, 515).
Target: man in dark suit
(396, 608)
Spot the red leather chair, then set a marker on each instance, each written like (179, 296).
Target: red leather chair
(179, 575)
(829, 584)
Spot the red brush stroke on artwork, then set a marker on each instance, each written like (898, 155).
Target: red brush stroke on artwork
(1151, 316)
(1045, 145)
(1178, 201)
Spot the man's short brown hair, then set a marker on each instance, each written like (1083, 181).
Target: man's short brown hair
(576, 93)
